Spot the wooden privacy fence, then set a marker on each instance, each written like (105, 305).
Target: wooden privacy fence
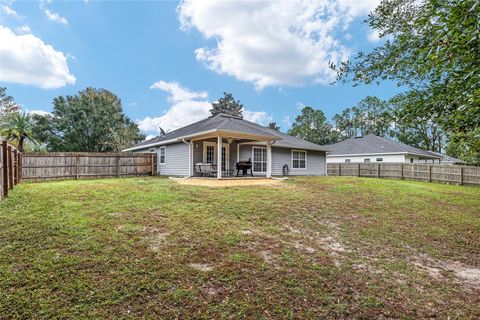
(10, 172)
(74, 165)
(463, 175)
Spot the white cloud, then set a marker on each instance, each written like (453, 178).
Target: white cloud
(40, 112)
(53, 16)
(177, 92)
(24, 29)
(272, 43)
(26, 59)
(9, 11)
(187, 107)
(373, 36)
(259, 117)
(287, 120)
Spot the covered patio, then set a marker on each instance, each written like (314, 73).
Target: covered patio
(237, 158)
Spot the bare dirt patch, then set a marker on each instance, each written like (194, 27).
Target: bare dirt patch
(203, 267)
(216, 183)
(436, 268)
(156, 238)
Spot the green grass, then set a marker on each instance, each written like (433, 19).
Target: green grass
(307, 248)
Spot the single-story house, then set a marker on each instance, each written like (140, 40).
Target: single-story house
(372, 148)
(181, 152)
(445, 159)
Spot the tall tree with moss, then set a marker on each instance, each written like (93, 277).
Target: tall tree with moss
(227, 105)
(431, 48)
(90, 121)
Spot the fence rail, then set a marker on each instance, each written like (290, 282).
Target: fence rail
(54, 166)
(10, 172)
(462, 175)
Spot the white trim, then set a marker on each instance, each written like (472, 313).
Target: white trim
(306, 156)
(253, 159)
(269, 159)
(160, 155)
(204, 154)
(238, 152)
(146, 146)
(219, 157)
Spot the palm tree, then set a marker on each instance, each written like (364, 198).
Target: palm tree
(17, 126)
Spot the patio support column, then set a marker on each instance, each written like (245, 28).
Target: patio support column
(238, 152)
(190, 159)
(219, 157)
(269, 159)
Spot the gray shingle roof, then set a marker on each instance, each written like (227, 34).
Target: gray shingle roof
(371, 144)
(234, 124)
(448, 159)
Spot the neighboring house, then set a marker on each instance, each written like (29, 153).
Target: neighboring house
(181, 150)
(371, 148)
(445, 159)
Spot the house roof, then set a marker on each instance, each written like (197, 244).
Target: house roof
(372, 144)
(224, 123)
(448, 159)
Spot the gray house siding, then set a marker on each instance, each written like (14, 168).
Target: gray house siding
(316, 161)
(176, 160)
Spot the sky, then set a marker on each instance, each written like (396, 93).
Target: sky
(168, 60)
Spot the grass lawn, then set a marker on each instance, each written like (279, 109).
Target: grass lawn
(306, 248)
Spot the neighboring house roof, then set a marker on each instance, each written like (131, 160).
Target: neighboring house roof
(224, 123)
(372, 144)
(448, 159)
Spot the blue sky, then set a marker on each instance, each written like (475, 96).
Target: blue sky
(168, 60)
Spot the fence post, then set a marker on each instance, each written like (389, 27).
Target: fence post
(378, 170)
(461, 175)
(429, 173)
(339, 169)
(401, 168)
(151, 160)
(10, 168)
(15, 166)
(359, 169)
(20, 160)
(77, 165)
(118, 166)
(5, 168)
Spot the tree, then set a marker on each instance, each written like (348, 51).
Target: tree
(7, 103)
(370, 116)
(431, 48)
(311, 125)
(17, 127)
(273, 125)
(91, 121)
(227, 105)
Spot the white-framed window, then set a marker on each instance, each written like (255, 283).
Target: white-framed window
(162, 154)
(299, 159)
(411, 160)
(379, 159)
(209, 152)
(259, 159)
(367, 160)
(348, 160)
(152, 150)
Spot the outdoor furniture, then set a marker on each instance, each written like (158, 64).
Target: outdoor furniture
(244, 166)
(205, 170)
